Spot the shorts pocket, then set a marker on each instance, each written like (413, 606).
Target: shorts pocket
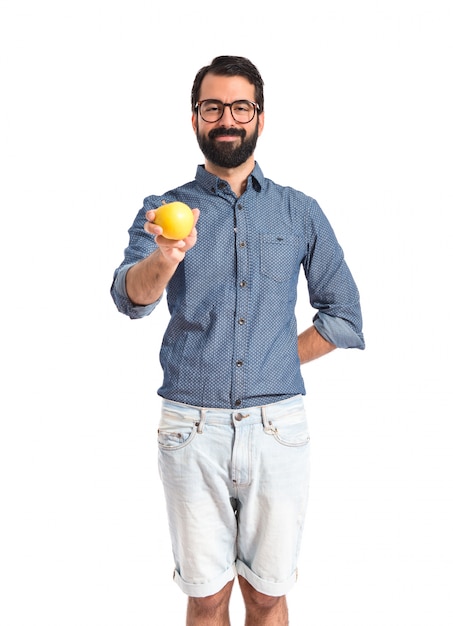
(291, 433)
(174, 431)
(175, 439)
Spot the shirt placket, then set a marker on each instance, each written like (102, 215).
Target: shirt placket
(242, 305)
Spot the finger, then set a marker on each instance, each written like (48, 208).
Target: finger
(150, 215)
(163, 242)
(196, 215)
(153, 229)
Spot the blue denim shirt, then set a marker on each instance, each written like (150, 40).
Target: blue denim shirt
(232, 336)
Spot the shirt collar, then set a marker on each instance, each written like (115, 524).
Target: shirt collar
(213, 183)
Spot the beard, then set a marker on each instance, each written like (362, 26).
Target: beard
(225, 154)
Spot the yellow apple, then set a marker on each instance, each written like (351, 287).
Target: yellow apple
(175, 219)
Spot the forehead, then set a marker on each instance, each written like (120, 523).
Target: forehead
(226, 88)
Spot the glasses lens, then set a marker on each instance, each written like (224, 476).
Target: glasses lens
(211, 110)
(242, 110)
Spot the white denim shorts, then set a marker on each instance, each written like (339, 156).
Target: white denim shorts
(236, 487)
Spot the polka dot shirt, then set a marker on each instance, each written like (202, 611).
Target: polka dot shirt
(231, 341)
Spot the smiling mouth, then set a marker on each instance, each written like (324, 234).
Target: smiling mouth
(226, 137)
(225, 134)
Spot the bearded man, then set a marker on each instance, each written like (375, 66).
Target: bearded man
(233, 438)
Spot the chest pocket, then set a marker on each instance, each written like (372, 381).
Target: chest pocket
(279, 256)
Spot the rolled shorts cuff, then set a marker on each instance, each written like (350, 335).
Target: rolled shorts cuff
(275, 589)
(201, 590)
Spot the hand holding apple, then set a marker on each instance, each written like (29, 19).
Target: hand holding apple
(176, 220)
(173, 250)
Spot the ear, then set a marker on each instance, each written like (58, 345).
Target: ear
(194, 122)
(260, 123)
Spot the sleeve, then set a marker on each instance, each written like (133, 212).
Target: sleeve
(332, 289)
(141, 244)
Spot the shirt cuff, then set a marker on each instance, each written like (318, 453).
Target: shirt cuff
(338, 331)
(122, 300)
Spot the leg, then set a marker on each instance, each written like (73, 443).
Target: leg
(262, 610)
(271, 510)
(211, 610)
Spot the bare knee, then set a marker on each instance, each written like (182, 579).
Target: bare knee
(210, 606)
(256, 599)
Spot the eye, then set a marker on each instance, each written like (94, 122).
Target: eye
(211, 106)
(242, 106)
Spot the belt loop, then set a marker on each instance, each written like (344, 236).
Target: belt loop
(268, 428)
(200, 424)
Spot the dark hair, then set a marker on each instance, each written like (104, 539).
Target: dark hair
(230, 66)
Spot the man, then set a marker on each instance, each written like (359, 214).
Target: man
(233, 436)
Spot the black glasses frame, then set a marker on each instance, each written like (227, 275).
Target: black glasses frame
(256, 107)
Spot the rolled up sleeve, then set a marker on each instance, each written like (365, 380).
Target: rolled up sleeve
(333, 291)
(123, 303)
(338, 331)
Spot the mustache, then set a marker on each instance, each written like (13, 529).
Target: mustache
(221, 132)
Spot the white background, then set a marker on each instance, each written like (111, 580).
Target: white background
(95, 115)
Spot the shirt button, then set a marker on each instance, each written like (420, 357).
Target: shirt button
(238, 402)
(241, 321)
(239, 363)
(242, 244)
(240, 207)
(243, 283)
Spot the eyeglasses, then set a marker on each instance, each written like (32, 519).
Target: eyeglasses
(242, 111)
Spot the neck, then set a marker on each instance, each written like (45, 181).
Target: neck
(236, 177)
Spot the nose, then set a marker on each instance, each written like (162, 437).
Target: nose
(227, 117)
